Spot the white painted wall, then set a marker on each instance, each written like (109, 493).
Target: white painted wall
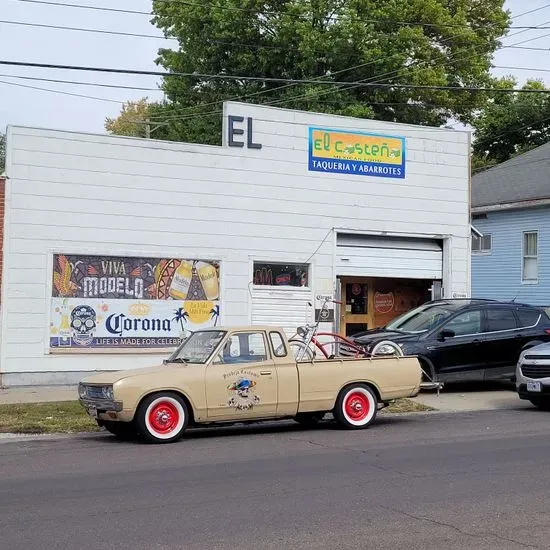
(82, 193)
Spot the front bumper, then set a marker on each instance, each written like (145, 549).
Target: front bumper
(537, 378)
(102, 409)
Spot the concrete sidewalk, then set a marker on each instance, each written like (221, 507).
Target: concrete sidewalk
(38, 394)
(471, 400)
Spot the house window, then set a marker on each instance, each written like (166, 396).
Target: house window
(482, 244)
(277, 274)
(530, 256)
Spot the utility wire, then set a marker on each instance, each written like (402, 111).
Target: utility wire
(81, 29)
(316, 95)
(388, 76)
(80, 83)
(230, 8)
(266, 78)
(60, 92)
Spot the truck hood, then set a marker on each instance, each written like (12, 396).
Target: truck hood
(109, 378)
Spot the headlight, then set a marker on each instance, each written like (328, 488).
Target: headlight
(387, 348)
(107, 392)
(95, 392)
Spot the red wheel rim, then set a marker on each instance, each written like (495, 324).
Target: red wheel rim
(164, 417)
(357, 406)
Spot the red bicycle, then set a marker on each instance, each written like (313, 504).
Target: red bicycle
(305, 343)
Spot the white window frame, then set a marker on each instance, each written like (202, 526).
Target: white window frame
(481, 238)
(524, 257)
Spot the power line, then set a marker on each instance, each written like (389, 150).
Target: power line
(81, 29)
(531, 69)
(315, 95)
(308, 96)
(234, 8)
(267, 78)
(61, 92)
(532, 49)
(98, 8)
(80, 83)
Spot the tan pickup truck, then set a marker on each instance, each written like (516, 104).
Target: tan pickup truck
(232, 375)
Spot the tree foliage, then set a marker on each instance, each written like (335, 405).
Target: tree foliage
(132, 120)
(512, 124)
(422, 42)
(351, 40)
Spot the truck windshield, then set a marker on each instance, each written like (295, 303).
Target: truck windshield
(422, 318)
(198, 347)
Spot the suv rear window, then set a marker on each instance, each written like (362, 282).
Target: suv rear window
(500, 319)
(528, 317)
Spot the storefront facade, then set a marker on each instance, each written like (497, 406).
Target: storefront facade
(114, 247)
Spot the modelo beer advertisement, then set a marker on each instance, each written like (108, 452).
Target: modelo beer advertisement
(105, 302)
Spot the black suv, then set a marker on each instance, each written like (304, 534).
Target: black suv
(458, 340)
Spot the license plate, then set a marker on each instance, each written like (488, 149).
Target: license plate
(92, 411)
(533, 386)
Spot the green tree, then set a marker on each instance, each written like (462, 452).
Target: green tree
(132, 120)
(351, 40)
(511, 124)
(2, 152)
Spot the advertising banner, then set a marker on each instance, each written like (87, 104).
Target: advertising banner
(107, 302)
(356, 153)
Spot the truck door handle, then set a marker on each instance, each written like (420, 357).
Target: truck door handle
(265, 372)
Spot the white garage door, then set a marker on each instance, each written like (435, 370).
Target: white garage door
(388, 257)
(287, 308)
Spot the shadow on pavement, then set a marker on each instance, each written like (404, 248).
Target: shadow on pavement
(265, 428)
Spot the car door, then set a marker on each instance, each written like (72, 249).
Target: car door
(458, 357)
(241, 382)
(502, 337)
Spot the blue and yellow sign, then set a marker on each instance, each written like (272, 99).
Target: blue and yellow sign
(356, 153)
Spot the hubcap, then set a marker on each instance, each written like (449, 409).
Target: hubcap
(164, 417)
(357, 406)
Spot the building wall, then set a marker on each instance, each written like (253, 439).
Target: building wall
(2, 210)
(497, 274)
(81, 193)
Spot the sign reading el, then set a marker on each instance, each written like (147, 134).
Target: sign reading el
(356, 153)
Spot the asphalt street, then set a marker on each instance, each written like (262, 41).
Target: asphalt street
(428, 481)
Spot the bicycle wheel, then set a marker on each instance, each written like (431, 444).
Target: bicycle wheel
(300, 351)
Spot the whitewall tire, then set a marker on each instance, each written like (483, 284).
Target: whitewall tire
(356, 407)
(162, 417)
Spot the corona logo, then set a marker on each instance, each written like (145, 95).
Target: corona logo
(139, 310)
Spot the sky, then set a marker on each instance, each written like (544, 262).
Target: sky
(22, 104)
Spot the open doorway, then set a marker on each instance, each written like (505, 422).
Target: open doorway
(369, 303)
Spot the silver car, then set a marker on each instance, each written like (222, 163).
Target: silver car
(533, 376)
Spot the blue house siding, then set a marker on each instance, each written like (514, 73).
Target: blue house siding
(497, 274)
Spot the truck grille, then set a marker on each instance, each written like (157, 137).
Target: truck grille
(536, 371)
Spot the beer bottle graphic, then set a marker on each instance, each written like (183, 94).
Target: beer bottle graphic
(65, 327)
(208, 276)
(181, 281)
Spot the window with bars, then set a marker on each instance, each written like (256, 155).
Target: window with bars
(481, 244)
(530, 272)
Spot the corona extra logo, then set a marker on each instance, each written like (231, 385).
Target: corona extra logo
(139, 310)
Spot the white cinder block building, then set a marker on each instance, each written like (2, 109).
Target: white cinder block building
(113, 246)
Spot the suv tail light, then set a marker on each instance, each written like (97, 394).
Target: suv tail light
(547, 330)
